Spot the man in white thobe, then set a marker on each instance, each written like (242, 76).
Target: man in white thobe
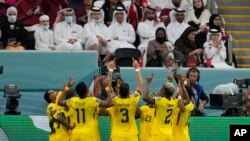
(177, 25)
(68, 35)
(96, 32)
(146, 28)
(44, 37)
(123, 34)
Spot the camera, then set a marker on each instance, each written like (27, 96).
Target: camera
(12, 95)
(1, 69)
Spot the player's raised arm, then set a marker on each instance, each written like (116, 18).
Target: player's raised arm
(138, 75)
(109, 101)
(146, 97)
(66, 87)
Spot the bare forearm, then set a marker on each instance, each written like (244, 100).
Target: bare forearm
(146, 96)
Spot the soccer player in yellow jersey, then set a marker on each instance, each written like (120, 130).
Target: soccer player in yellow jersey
(53, 112)
(181, 120)
(164, 108)
(84, 108)
(125, 105)
(65, 121)
(146, 118)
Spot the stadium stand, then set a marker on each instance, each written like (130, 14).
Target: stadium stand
(237, 23)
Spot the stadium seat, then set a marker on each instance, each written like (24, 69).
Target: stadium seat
(123, 56)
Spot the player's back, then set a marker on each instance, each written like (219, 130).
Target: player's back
(164, 109)
(146, 119)
(181, 123)
(83, 113)
(124, 111)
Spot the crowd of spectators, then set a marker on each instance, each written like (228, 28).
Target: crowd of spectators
(71, 25)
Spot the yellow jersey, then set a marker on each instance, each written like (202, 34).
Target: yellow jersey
(164, 109)
(147, 116)
(181, 123)
(124, 110)
(62, 133)
(84, 114)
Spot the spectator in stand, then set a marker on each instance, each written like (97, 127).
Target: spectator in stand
(216, 23)
(96, 32)
(108, 9)
(215, 50)
(159, 49)
(135, 9)
(164, 16)
(146, 29)
(44, 36)
(173, 4)
(51, 7)
(82, 12)
(13, 32)
(177, 25)
(199, 16)
(123, 34)
(68, 35)
(135, 13)
(29, 13)
(186, 45)
(4, 4)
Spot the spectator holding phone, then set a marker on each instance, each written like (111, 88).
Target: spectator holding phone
(13, 32)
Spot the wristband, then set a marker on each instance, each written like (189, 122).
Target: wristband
(179, 97)
(66, 88)
(137, 70)
(107, 89)
(111, 70)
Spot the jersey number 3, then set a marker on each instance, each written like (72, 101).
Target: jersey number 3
(124, 112)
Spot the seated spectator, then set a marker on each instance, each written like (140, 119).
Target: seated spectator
(159, 49)
(215, 22)
(199, 16)
(177, 25)
(13, 32)
(135, 13)
(108, 9)
(44, 36)
(215, 50)
(29, 13)
(123, 34)
(186, 45)
(96, 32)
(68, 35)
(51, 7)
(146, 29)
(82, 12)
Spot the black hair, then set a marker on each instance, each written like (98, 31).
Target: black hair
(70, 94)
(124, 90)
(81, 89)
(46, 97)
(194, 70)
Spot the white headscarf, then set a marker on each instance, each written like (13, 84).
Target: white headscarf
(174, 11)
(119, 9)
(213, 31)
(96, 9)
